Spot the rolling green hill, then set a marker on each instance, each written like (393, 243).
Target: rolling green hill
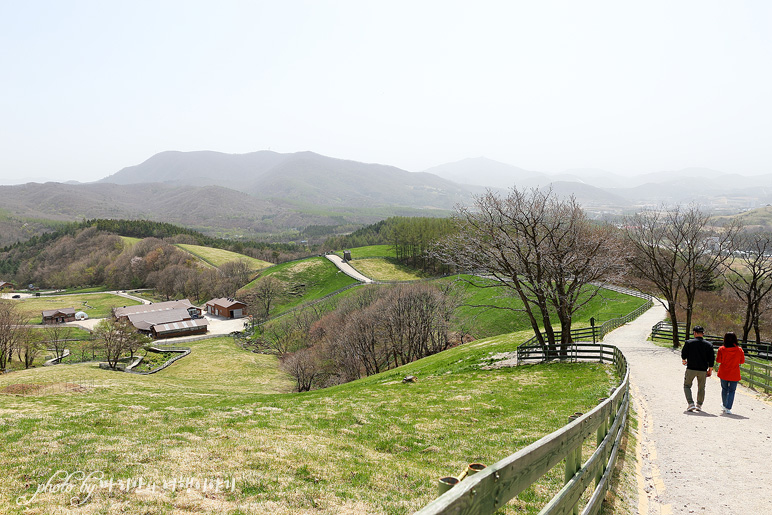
(371, 446)
(218, 257)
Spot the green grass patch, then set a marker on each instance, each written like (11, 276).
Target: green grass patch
(371, 251)
(218, 257)
(129, 241)
(483, 322)
(96, 305)
(304, 281)
(386, 269)
(371, 446)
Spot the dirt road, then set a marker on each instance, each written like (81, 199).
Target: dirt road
(705, 463)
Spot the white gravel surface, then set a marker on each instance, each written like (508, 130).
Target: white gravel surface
(347, 269)
(694, 462)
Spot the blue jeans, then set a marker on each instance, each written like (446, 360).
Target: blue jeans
(727, 392)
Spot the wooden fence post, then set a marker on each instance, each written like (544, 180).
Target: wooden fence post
(573, 459)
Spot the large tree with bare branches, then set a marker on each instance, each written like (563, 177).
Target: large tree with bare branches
(674, 248)
(749, 276)
(13, 330)
(541, 247)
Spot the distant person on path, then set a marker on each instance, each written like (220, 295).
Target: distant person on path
(698, 356)
(730, 357)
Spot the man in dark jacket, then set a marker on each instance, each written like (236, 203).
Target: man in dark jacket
(698, 356)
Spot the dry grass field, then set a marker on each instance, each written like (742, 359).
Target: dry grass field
(218, 257)
(220, 432)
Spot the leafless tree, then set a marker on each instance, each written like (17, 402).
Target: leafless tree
(673, 248)
(749, 276)
(116, 337)
(304, 366)
(267, 289)
(57, 336)
(28, 349)
(13, 330)
(539, 246)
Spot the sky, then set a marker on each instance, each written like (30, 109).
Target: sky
(90, 87)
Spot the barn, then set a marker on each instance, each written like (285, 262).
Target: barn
(226, 307)
(59, 316)
(165, 319)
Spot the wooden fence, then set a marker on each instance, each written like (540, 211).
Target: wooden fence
(753, 349)
(486, 491)
(758, 375)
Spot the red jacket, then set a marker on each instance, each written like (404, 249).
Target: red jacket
(730, 359)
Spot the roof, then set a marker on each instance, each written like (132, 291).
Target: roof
(160, 317)
(64, 311)
(177, 326)
(149, 308)
(225, 303)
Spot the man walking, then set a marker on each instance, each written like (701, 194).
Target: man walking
(698, 356)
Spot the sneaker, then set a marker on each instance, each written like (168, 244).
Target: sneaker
(723, 409)
(698, 407)
(728, 411)
(691, 407)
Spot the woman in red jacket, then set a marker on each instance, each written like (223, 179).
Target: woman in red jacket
(730, 356)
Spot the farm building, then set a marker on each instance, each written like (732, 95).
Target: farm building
(5, 285)
(59, 316)
(165, 319)
(226, 307)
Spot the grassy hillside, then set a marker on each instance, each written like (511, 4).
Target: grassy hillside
(483, 322)
(386, 269)
(303, 281)
(218, 257)
(372, 446)
(371, 251)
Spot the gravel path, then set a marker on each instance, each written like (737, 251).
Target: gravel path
(693, 462)
(348, 269)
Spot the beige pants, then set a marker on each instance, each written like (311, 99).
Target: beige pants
(701, 376)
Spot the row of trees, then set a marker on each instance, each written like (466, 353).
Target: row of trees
(93, 257)
(681, 252)
(545, 250)
(372, 331)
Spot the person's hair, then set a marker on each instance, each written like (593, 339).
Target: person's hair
(730, 340)
(698, 329)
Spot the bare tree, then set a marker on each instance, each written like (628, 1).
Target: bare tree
(266, 291)
(749, 276)
(115, 338)
(28, 349)
(57, 336)
(672, 248)
(539, 246)
(303, 365)
(13, 331)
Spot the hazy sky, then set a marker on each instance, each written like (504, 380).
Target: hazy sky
(88, 87)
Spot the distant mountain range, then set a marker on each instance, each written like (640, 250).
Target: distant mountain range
(598, 188)
(303, 177)
(267, 193)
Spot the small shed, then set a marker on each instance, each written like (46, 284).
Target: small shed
(347, 255)
(81, 315)
(59, 316)
(226, 307)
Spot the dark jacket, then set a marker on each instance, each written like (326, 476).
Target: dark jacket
(699, 354)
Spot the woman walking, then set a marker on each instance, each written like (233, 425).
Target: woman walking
(730, 356)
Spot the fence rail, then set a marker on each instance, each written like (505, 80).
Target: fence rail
(490, 489)
(758, 375)
(664, 331)
(485, 492)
